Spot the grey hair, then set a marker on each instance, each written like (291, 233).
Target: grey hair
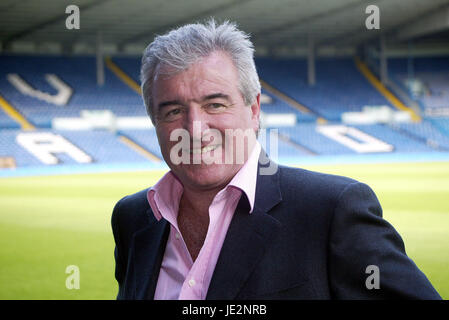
(182, 47)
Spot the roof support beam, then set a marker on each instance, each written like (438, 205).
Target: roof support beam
(433, 22)
(276, 31)
(417, 26)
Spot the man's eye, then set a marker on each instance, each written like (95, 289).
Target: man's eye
(172, 114)
(216, 107)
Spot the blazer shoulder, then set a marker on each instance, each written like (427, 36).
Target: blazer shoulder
(132, 212)
(312, 183)
(138, 199)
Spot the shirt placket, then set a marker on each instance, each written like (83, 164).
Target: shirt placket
(194, 282)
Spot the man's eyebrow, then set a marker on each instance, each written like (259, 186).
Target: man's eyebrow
(216, 95)
(168, 103)
(208, 97)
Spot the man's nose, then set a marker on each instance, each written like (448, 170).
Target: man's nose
(196, 122)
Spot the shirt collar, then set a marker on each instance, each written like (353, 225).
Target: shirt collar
(246, 178)
(165, 195)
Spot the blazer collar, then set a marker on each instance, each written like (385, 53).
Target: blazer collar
(247, 239)
(268, 191)
(149, 248)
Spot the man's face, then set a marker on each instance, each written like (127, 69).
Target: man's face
(204, 101)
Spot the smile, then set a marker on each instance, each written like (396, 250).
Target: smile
(204, 149)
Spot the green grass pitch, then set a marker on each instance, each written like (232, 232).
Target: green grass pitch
(48, 223)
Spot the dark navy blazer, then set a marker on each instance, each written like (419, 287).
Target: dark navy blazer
(310, 236)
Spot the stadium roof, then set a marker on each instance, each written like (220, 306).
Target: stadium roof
(272, 24)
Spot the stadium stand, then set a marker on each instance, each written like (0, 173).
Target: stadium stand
(145, 138)
(6, 122)
(340, 88)
(129, 65)
(76, 72)
(441, 124)
(10, 148)
(401, 141)
(101, 146)
(427, 81)
(425, 132)
(305, 135)
(277, 105)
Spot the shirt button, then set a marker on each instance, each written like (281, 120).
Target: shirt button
(192, 282)
(177, 235)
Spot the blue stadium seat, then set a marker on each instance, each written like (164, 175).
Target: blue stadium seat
(339, 88)
(339, 85)
(76, 72)
(432, 72)
(145, 138)
(7, 122)
(101, 146)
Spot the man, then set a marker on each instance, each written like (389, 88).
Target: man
(219, 226)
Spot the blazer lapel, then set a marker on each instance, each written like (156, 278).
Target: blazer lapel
(247, 239)
(149, 247)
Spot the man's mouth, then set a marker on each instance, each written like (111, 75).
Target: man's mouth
(203, 149)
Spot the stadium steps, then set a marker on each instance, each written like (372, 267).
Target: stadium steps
(339, 88)
(290, 101)
(432, 72)
(366, 72)
(424, 132)
(122, 75)
(138, 148)
(296, 145)
(442, 124)
(14, 114)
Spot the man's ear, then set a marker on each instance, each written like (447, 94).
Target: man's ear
(255, 112)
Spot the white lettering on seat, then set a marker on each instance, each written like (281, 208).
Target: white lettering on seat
(60, 99)
(354, 139)
(43, 145)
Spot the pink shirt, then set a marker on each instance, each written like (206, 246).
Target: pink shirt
(180, 277)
